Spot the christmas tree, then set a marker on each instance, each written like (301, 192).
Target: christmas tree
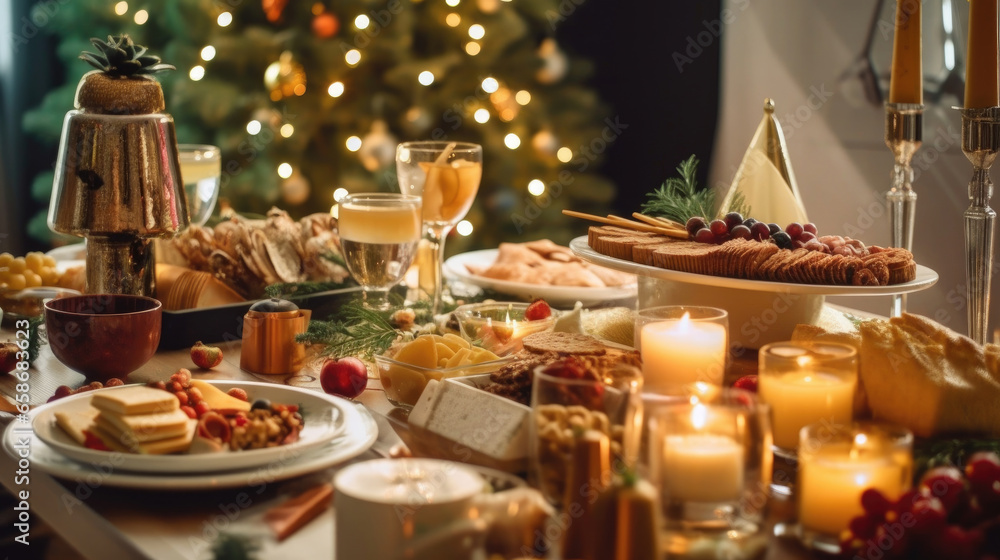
(306, 98)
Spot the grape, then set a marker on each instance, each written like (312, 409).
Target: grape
(773, 228)
(797, 244)
(864, 526)
(794, 229)
(733, 219)
(704, 235)
(749, 222)
(945, 484)
(741, 231)
(782, 239)
(760, 231)
(720, 239)
(806, 237)
(718, 227)
(928, 513)
(875, 503)
(694, 224)
(811, 228)
(983, 471)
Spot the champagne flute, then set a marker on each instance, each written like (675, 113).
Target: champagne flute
(379, 233)
(446, 175)
(201, 170)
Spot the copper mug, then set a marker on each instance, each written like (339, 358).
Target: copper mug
(269, 331)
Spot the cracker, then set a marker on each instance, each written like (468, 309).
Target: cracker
(564, 343)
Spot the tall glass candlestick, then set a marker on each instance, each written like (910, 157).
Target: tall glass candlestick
(904, 125)
(980, 143)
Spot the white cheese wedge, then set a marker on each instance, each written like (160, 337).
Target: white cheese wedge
(484, 422)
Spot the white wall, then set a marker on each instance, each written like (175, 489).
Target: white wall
(801, 53)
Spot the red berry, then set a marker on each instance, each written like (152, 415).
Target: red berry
(195, 395)
(189, 411)
(63, 391)
(537, 310)
(114, 382)
(983, 472)
(182, 397)
(875, 503)
(201, 407)
(182, 376)
(206, 357)
(945, 484)
(929, 514)
(718, 227)
(159, 385)
(176, 387)
(863, 527)
(238, 393)
(747, 383)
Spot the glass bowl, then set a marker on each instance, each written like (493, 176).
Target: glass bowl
(404, 382)
(500, 327)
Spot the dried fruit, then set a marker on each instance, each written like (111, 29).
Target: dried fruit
(8, 357)
(205, 357)
(238, 393)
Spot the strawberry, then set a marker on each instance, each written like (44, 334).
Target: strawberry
(747, 383)
(206, 357)
(537, 310)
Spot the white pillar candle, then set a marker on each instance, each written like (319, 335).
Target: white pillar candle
(832, 479)
(800, 398)
(681, 351)
(702, 466)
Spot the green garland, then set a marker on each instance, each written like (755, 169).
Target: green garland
(680, 198)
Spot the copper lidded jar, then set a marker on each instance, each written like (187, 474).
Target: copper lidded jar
(269, 331)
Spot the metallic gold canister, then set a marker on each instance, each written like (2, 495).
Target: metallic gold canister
(269, 331)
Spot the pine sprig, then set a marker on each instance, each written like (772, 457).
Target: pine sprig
(235, 547)
(680, 198)
(286, 290)
(356, 331)
(937, 452)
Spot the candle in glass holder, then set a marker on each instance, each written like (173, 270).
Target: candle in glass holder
(982, 75)
(807, 384)
(837, 464)
(906, 77)
(701, 466)
(680, 346)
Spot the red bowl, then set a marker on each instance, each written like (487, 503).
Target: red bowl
(103, 335)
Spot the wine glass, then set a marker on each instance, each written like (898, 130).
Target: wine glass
(379, 233)
(446, 175)
(201, 171)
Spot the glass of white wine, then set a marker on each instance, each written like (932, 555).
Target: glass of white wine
(446, 176)
(379, 233)
(201, 170)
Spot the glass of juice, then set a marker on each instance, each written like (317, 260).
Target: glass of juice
(446, 176)
(379, 233)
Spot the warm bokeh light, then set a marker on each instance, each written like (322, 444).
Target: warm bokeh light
(564, 154)
(208, 53)
(253, 127)
(353, 57)
(522, 97)
(452, 3)
(536, 187)
(224, 19)
(464, 228)
(425, 78)
(353, 143)
(453, 19)
(512, 141)
(472, 48)
(339, 194)
(121, 8)
(286, 130)
(141, 17)
(490, 85)
(477, 31)
(481, 116)
(336, 89)
(197, 73)
(362, 21)
(285, 170)
(299, 89)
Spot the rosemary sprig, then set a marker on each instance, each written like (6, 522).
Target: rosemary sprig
(292, 289)
(355, 331)
(680, 198)
(235, 547)
(34, 338)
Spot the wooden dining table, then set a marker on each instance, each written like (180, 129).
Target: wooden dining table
(100, 521)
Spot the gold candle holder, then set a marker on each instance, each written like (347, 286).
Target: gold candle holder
(980, 143)
(904, 126)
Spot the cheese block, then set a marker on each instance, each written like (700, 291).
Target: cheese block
(135, 399)
(217, 399)
(159, 447)
(144, 427)
(74, 422)
(492, 425)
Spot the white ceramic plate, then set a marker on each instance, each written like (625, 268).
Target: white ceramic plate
(560, 296)
(925, 277)
(323, 417)
(359, 433)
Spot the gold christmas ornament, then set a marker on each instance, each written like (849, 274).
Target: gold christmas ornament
(765, 176)
(554, 62)
(378, 147)
(285, 77)
(545, 143)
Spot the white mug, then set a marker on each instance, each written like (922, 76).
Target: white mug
(408, 508)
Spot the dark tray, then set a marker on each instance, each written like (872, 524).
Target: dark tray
(181, 329)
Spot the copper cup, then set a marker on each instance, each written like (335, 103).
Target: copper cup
(269, 331)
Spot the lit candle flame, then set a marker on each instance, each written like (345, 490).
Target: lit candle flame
(699, 416)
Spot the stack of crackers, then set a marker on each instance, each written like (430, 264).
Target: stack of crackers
(755, 260)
